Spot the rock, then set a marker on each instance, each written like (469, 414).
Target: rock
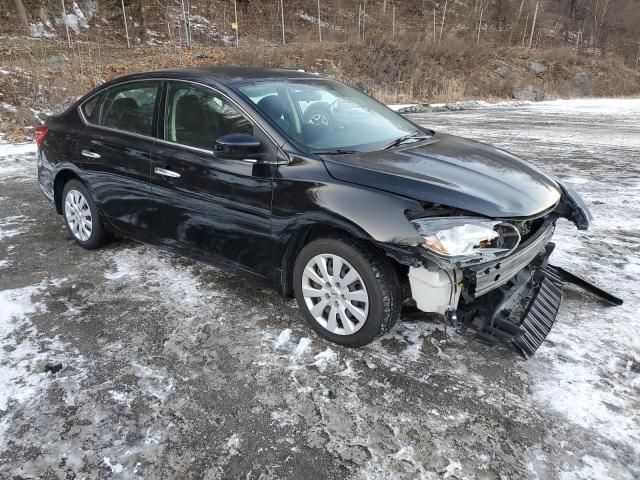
(54, 367)
(538, 67)
(458, 106)
(57, 62)
(581, 85)
(503, 71)
(581, 78)
(330, 394)
(417, 108)
(526, 94)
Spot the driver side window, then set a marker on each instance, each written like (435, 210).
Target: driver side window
(196, 117)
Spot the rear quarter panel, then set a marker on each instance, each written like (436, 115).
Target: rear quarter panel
(59, 149)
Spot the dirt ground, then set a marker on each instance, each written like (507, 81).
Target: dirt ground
(128, 362)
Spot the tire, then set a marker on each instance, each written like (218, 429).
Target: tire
(376, 281)
(81, 216)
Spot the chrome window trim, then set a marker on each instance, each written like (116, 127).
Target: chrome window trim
(212, 153)
(162, 140)
(116, 130)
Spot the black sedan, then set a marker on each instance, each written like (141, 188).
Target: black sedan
(313, 186)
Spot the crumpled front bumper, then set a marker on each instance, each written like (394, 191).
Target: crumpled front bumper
(517, 299)
(525, 312)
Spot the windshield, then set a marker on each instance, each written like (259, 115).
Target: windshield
(323, 115)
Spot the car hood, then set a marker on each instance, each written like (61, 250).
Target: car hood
(455, 172)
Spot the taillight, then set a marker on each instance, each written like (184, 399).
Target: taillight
(41, 132)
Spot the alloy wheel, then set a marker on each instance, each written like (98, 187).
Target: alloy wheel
(78, 215)
(335, 294)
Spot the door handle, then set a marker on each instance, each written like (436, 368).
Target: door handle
(166, 173)
(90, 154)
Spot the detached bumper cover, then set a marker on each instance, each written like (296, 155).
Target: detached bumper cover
(540, 314)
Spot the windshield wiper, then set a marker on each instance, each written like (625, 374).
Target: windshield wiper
(336, 151)
(401, 140)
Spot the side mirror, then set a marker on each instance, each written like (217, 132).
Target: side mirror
(237, 146)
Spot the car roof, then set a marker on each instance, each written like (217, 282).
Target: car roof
(224, 75)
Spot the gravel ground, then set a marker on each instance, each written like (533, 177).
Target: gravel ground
(128, 362)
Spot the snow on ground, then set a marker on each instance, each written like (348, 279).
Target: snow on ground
(593, 146)
(409, 108)
(170, 368)
(10, 149)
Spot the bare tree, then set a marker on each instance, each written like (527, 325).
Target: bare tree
(533, 24)
(126, 27)
(444, 14)
(517, 20)
(479, 24)
(319, 24)
(22, 13)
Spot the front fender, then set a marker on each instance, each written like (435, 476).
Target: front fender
(362, 212)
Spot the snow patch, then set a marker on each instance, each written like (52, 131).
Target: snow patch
(10, 149)
(305, 17)
(232, 447)
(12, 226)
(40, 30)
(283, 418)
(283, 338)
(302, 347)
(153, 381)
(24, 356)
(115, 468)
(324, 359)
(8, 107)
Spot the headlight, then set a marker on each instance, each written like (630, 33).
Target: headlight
(459, 241)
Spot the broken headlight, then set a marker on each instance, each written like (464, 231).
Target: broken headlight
(460, 241)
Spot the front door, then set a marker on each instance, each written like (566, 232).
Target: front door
(211, 205)
(115, 154)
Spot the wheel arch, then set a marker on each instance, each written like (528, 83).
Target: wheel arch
(309, 232)
(61, 179)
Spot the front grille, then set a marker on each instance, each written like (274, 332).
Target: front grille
(541, 313)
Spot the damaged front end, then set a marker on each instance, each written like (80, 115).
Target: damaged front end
(494, 275)
(514, 300)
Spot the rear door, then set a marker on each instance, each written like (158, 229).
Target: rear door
(115, 149)
(213, 206)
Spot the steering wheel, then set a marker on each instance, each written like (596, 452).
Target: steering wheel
(319, 115)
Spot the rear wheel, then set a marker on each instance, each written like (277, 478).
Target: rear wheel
(347, 292)
(81, 216)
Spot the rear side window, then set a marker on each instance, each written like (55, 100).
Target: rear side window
(130, 108)
(196, 116)
(90, 108)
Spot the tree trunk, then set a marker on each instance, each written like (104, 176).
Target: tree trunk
(444, 14)
(143, 30)
(22, 14)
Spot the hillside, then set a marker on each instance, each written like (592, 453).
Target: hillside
(420, 51)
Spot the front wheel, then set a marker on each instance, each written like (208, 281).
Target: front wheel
(347, 292)
(81, 216)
